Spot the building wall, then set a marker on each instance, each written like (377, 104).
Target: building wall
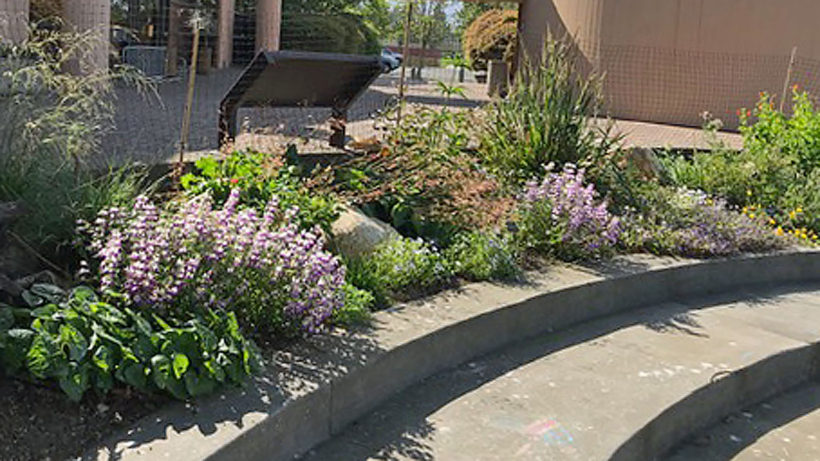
(670, 60)
(13, 20)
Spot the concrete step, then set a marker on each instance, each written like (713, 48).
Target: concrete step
(627, 387)
(786, 427)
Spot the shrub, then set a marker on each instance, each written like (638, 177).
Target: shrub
(51, 122)
(424, 183)
(273, 275)
(493, 36)
(690, 223)
(777, 167)
(260, 177)
(357, 307)
(545, 119)
(399, 269)
(84, 343)
(482, 256)
(560, 215)
(796, 137)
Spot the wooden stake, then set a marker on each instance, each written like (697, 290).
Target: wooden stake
(408, 18)
(788, 79)
(189, 101)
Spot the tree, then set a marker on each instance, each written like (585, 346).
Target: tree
(469, 12)
(429, 26)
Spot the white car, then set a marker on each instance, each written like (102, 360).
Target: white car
(391, 60)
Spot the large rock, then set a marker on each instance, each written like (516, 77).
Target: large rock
(355, 233)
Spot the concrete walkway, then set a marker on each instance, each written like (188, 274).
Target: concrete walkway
(586, 392)
(784, 428)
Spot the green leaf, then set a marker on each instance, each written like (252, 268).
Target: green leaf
(74, 340)
(181, 363)
(103, 358)
(161, 371)
(6, 318)
(45, 359)
(45, 312)
(133, 374)
(31, 299)
(199, 385)
(15, 345)
(48, 292)
(214, 369)
(75, 382)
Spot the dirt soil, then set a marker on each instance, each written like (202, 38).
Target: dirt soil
(40, 423)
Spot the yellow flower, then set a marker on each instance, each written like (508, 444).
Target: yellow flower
(752, 215)
(799, 210)
(748, 192)
(792, 215)
(772, 221)
(779, 231)
(745, 210)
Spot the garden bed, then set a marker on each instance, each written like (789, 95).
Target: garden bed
(245, 268)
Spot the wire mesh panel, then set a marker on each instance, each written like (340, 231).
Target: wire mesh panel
(446, 66)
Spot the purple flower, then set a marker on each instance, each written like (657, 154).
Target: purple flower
(263, 267)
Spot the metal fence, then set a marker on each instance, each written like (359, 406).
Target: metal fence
(157, 37)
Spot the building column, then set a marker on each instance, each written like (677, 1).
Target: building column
(268, 24)
(224, 45)
(13, 20)
(91, 17)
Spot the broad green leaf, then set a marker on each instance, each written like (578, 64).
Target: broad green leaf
(74, 340)
(32, 300)
(199, 385)
(103, 358)
(133, 374)
(75, 382)
(50, 293)
(181, 363)
(6, 318)
(45, 359)
(16, 343)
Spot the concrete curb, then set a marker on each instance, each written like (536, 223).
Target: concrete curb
(492, 318)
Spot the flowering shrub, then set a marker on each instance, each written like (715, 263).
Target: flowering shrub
(778, 167)
(483, 256)
(690, 223)
(274, 275)
(398, 268)
(560, 215)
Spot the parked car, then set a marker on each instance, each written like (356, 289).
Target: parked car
(391, 60)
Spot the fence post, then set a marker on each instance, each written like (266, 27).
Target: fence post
(13, 20)
(268, 24)
(224, 44)
(94, 17)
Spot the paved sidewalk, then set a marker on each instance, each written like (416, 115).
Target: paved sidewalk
(582, 393)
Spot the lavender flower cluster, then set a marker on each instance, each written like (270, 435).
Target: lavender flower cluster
(261, 266)
(688, 222)
(568, 210)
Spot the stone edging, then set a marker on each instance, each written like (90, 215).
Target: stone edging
(415, 342)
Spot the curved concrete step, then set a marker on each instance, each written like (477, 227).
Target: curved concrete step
(624, 387)
(317, 387)
(786, 427)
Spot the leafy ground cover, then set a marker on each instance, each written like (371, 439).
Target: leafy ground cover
(180, 293)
